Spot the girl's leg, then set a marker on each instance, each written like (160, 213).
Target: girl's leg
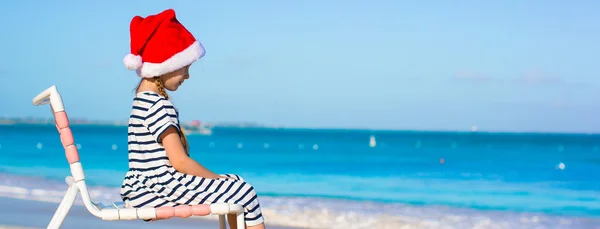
(231, 219)
(259, 226)
(253, 205)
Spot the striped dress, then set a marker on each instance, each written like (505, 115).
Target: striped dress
(153, 182)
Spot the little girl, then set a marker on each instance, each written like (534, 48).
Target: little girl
(161, 173)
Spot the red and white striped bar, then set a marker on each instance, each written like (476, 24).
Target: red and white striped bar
(181, 211)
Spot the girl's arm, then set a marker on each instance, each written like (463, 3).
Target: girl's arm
(179, 159)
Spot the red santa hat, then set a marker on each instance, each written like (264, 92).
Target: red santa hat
(160, 44)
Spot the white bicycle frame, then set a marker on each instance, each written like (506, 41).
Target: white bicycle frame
(114, 211)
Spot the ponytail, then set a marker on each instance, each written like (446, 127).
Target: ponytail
(161, 90)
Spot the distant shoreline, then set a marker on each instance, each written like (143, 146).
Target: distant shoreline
(248, 125)
(76, 121)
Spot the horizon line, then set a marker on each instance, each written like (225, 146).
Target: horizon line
(249, 125)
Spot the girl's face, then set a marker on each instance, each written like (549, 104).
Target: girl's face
(173, 80)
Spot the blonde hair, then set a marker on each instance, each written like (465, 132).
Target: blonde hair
(161, 90)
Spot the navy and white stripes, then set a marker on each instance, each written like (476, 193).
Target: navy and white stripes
(153, 182)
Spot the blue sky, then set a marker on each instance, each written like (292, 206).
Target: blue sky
(505, 65)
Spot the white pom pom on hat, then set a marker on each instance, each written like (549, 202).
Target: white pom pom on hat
(160, 44)
(132, 62)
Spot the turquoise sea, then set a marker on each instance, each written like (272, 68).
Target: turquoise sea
(429, 179)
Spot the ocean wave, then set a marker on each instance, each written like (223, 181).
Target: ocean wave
(310, 212)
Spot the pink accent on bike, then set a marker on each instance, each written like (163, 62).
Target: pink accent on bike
(66, 136)
(72, 154)
(201, 210)
(62, 120)
(182, 211)
(165, 212)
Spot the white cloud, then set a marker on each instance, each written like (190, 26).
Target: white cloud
(536, 77)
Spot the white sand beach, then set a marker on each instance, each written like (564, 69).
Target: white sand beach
(29, 214)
